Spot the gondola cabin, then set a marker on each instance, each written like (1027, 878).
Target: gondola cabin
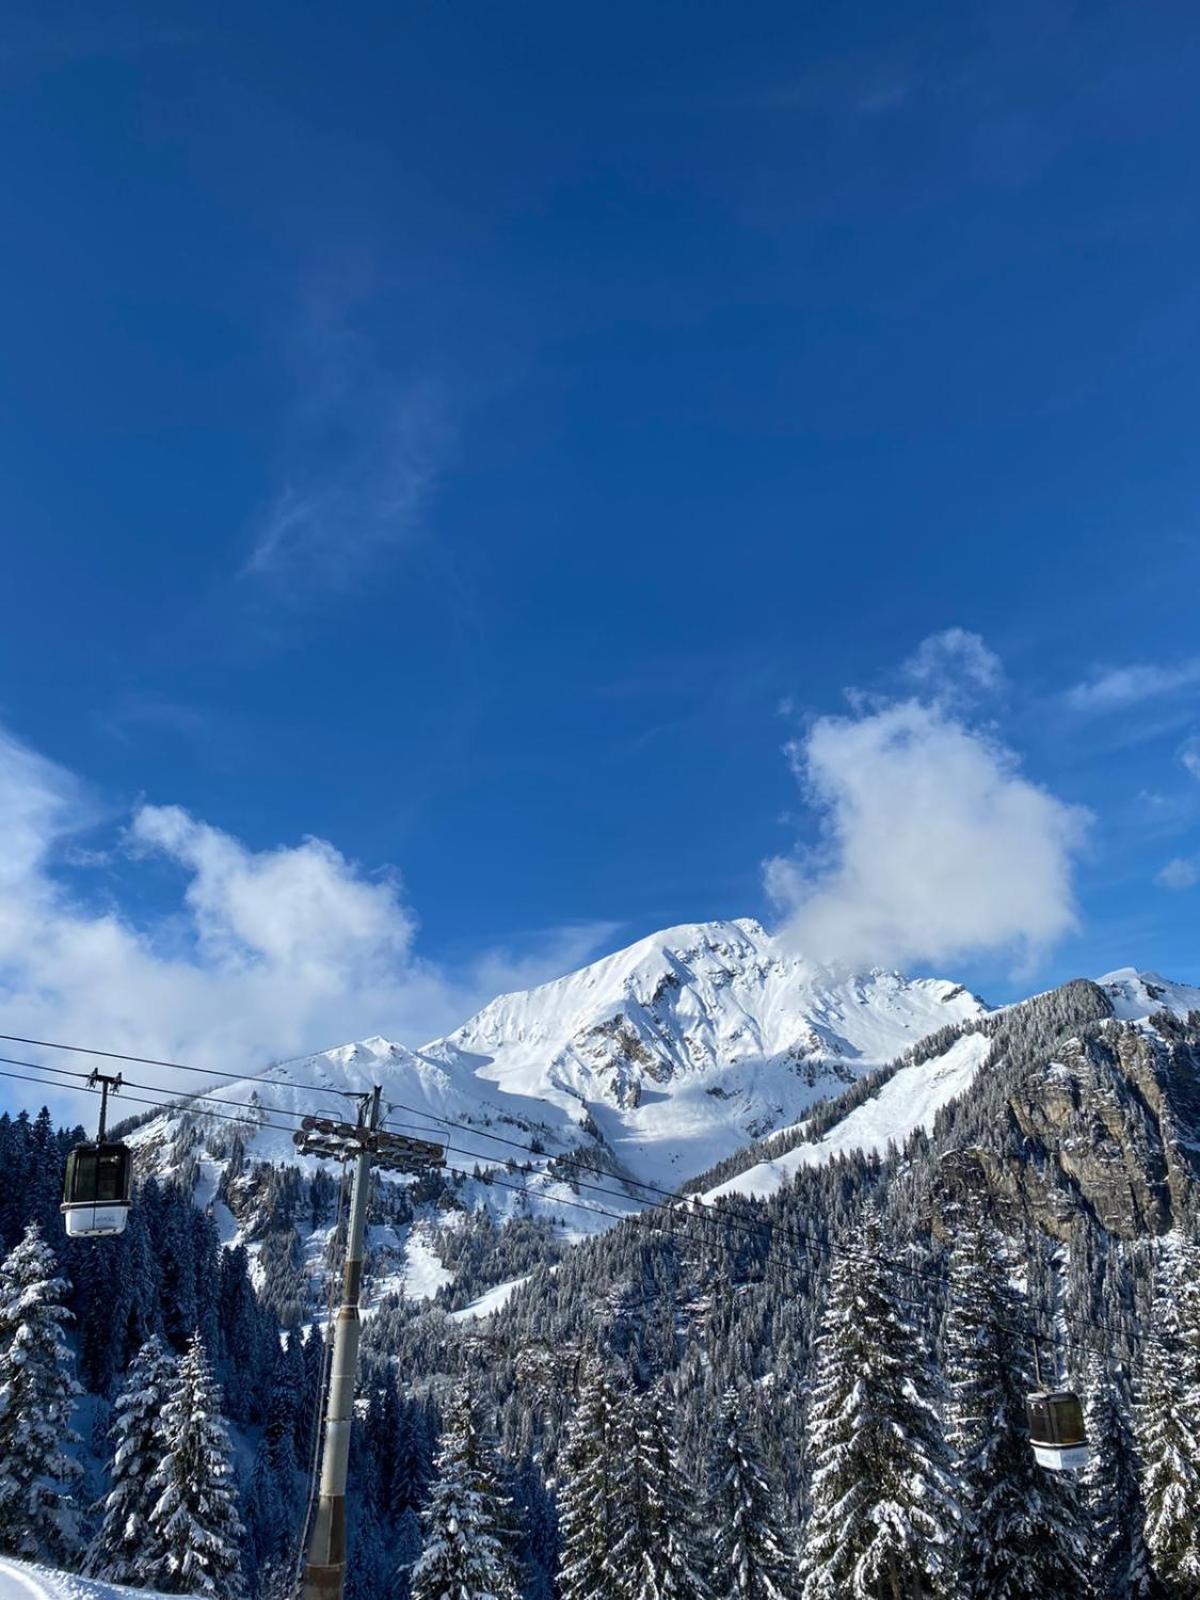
(1056, 1430)
(97, 1190)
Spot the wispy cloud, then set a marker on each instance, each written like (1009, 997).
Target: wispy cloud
(954, 667)
(361, 455)
(1189, 755)
(327, 528)
(1180, 873)
(1119, 688)
(146, 709)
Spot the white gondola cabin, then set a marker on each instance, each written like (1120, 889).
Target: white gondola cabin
(1056, 1429)
(99, 1179)
(96, 1191)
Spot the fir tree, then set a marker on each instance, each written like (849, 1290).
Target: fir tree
(656, 1554)
(408, 1551)
(37, 1516)
(749, 1559)
(1120, 1562)
(537, 1550)
(1021, 1538)
(1167, 1420)
(368, 1571)
(593, 1492)
(124, 1550)
(465, 1555)
(884, 1516)
(194, 1517)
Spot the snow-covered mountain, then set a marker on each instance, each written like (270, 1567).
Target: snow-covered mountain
(686, 1044)
(663, 1058)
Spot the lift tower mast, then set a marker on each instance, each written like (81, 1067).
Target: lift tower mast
(366, 1144)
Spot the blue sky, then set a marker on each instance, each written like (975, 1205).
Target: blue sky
(483, 438)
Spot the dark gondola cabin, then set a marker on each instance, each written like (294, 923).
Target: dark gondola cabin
(97, 1189)
(1056, 1430)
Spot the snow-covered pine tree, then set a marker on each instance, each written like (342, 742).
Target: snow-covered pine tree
(194, 1517)
(593, 1491)
(37, 1383)
(124, 1550)
(1021, 1536)
(465, 1554)
(884, 1517)
(656, 1554)
(1120, 1563)
(1167, 1419)
(750, 1561)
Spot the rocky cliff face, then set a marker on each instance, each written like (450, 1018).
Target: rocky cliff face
(1101, 1124)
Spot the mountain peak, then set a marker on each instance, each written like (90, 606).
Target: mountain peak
(1136, 995)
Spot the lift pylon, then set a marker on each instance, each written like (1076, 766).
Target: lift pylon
(364, 1143)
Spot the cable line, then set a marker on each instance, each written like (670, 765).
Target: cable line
(181, 1066)
(137, 1100)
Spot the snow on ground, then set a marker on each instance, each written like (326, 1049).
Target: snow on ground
(909, 1100)
(488, 1304)
(423, 1273)
(23, 1580)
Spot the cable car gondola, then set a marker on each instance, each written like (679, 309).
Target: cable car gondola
(99, 1179)
(1056, 1429)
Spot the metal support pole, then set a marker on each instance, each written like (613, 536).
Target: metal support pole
(106, 1083)
(325, 1573)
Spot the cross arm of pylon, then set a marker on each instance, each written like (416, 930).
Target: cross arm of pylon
(339, 1141)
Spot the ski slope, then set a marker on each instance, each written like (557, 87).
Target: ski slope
(908, 1101)
(25, 1580)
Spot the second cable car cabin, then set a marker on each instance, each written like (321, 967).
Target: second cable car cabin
(1056, 1429)
(99, 1180)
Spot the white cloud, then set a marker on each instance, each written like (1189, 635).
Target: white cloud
(1118, 688)
(1189, 754)
(265, 954)
(1179, 873)
(937, 848)
(954, 665)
